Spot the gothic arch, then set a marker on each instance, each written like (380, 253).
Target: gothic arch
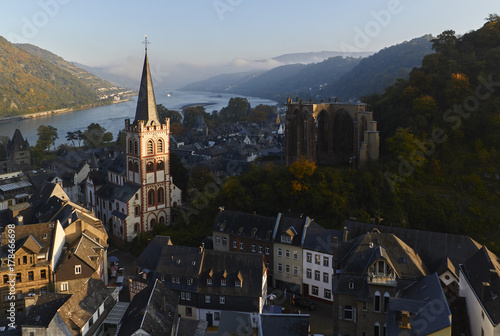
(131, 146)
(150, 147)
(343, 131)
(136, 147)
(151, 197)
(136, 167)
(323, 122)
(160, 165)
(159, 146)
(161, 196)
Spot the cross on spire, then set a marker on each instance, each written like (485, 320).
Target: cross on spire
(146, 42)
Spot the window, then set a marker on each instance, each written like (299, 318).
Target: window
(159, 146)
(224, 241)
(235, 244)
(317, 259)
(365, 306)
(183, 295)
(253, 247)
(295, 270)
(351, 285)
(325, 277)
(151, 197)
(64, 287)
(136, 227)
(280, 267)
(237, 283)
(130, 146)
(161, 197)
(317, 275)
(223, 282)
(348, 313)
(188, 296)
(387, 297)
(149, 167)
(18, 277)
(217, 240)
(216, 316)
(308, 273)
(25, 260)
(267, 250)
(5, 278)
(222, 300)
(160, 165)
(207, 298)
(162, 278)
(31, 276)
(295, 255)
(78, 269)
(260, 248)
(287, 253)
(326, 261)
(315, 290)
(241, 245)
(189, 311)
(287, 269)
(177, 280)
(91, 321)
(376, 302)
(376, 329)
(328, 294)
(309, 257)
(150, 147)
(209, 281)
(136, 148)
(137, 211)
(189, 281)
(280, 252)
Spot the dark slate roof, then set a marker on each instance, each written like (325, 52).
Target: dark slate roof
(151, 254)
(484, 267)
(78, 309)
(235, 323)
(154, 310)
(320, 239)
(146, 103)
(118, 165)
(180, 261)
(98, 177)
(121, 193)
(245, 225)
(18, 142)
(433, 247)
(45, 308)
(189, 327)
(291, 226)
(422, 299)
(249, 266)
(119, 214)
(285, 324)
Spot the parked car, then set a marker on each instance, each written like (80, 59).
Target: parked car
(304, 303)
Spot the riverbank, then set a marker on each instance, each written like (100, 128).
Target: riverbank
(43, 114)
(197, 104)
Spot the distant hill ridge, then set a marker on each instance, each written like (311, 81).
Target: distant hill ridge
(30, 84)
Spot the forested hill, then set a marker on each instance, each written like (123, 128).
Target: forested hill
(29, 84)
(82, 74)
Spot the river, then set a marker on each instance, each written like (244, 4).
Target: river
(112, 117)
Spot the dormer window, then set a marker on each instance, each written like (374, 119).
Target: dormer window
(254, 232)
(78, 269)
(209, 281)
(240, 230)
(223, 282)
(237, 283)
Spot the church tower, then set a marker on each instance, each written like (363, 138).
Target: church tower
(147, 157)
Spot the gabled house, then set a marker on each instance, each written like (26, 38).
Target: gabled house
(374, 267)
(42, 317)
(480, 285)
(152, 312)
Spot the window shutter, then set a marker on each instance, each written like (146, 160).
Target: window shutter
(341, 312)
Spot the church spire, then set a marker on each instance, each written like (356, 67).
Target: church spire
(146, 103)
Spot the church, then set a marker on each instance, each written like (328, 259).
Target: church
(331, 133)
(138, 192)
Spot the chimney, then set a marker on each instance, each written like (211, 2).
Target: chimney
(335, 254)
(405, 320)
(344, 237)
(20, 220)
(29, 301)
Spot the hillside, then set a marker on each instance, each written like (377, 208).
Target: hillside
(29, 84)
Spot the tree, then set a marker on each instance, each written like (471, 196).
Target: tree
(94, 136)
(191, 114)
(71, 136)
(47, 136)
(174, 116)
(445, 42)
(236, 110)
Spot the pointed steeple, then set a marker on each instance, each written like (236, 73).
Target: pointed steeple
(146, 103)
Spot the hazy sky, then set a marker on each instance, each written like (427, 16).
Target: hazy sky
(192, 36)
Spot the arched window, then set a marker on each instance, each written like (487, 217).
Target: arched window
(150, 167)
(343, 142)
(323, 121)
(136, 227)
(150, 147)
(117, 206)
(136, 167)
(151, 197)
(160, 165)
(376, 329)
(130, 146)
(161, 220)
(387, 297)
(161, 197)
(136, 148)
(159, 146)
(376, 302)
(137, 211)
(130, 165)
(152, 223)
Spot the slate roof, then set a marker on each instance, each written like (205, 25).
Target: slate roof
(189, 327)
(18, 142)
(29, 234)
(484, 267)
(422, 299)
(46, 306)
(121, 193)
(118, 165)
(151, 254)
(291, 226)
(249, 266)
(285, 324)
(180, 260)
(146, 103)
(235, 323)
(154, 310)
(78, 309)
(245, 225)
(89, 251)
(321, 240)
(433, 247)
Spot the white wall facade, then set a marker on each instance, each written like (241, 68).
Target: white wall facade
(325, 268)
